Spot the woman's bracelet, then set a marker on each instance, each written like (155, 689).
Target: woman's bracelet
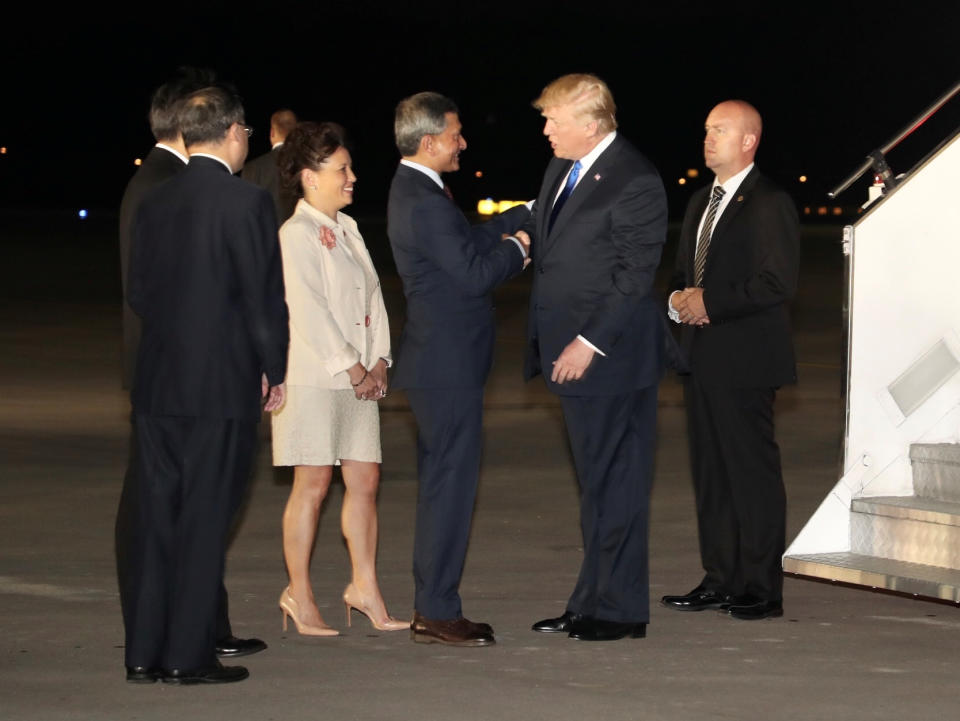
(362, 378)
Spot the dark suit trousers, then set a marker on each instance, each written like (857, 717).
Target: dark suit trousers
(189, 477)
(741, 502)
(125, 545)
(449, 436)
(612, 439)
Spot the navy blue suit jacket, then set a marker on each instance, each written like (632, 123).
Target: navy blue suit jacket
(594, 273)
(207, 282)
(449, 270)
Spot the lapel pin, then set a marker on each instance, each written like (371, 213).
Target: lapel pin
(739, 198)
(597, 176)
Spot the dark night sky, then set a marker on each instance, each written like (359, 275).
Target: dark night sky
(833, 81)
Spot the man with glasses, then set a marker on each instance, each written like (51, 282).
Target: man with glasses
(206, 280)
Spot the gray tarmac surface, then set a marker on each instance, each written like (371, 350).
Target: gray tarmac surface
(838, 653)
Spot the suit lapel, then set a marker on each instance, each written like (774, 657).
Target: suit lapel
(556, 172)
(729, 213)
(593, 179)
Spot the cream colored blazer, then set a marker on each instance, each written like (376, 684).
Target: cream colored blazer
(326, 290)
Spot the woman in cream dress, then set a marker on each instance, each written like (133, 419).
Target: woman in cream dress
(337, 370)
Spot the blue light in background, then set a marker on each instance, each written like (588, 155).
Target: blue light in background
(82, 214)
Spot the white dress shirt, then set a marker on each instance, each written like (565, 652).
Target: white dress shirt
(730, 187)
(176, 152)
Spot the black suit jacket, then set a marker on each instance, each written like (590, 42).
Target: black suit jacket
(594, 272)
(158, 166)
(263, 172)
(750, 274)
(207, 282)
(448, 269)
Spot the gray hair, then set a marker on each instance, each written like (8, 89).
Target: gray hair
(419, 115)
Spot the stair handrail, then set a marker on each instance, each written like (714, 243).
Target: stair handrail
(876, 159)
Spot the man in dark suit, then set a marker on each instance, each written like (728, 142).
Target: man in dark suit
(264, 172)
(448, 270)
(206, 281)
(167, 158)
(594, 332)
(736, 269)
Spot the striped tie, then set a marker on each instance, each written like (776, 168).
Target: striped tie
(703, 243)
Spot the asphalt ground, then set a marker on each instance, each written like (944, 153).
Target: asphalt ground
(838, 652)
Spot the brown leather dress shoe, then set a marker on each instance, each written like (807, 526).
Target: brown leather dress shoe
(452, 632)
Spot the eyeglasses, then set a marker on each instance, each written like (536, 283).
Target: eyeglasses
(247, 129)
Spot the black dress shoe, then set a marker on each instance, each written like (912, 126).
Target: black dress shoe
(595, 629)
(233, 646)
(564, 624)
(143, 674)
(756, 611)
(215, 674)
(699, 599)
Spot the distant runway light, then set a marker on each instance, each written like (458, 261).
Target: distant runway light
(478, 174)
(487, 206)
(682, 181)
(137, 161)
(693, 173)
(82, 214)
(802, 178)
(3, 150)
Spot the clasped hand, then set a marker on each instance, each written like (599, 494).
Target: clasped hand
(369, 385)
(689, 306)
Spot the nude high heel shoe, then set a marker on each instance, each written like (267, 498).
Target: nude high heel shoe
(289, 607)
(352, 600)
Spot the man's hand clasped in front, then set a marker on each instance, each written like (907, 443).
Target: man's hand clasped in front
(690, 307)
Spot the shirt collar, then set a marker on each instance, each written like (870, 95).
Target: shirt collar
(183, 158)
(213, 157)
(429, 172)
(587, 160)
(733, 182)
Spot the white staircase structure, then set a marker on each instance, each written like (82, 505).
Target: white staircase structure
(893, 519)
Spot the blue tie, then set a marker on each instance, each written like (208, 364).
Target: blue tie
(565, 193)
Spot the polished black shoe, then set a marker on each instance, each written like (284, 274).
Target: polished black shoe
(143, 674)
(215, 674)
(699, 599)
(757, 610)
(233, 646)
(595, 629)
(564, 624)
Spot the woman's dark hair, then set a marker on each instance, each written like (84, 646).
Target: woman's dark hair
(307, 146)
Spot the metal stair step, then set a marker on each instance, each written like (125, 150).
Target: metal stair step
(901, 576)
(936, 470)
(914, 508)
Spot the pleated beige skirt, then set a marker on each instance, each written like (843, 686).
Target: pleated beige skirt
(320, 427)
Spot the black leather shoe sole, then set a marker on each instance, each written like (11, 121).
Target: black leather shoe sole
(140, 674)
(562, 624)
(609, 631)
(232, 647)
(756, 611)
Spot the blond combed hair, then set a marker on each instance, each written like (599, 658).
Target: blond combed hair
(589, 96)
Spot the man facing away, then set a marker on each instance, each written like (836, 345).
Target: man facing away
(167, 158)
(448, 270)
(206, 281)
(263, 170)
(736, 269)
(595, 333)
